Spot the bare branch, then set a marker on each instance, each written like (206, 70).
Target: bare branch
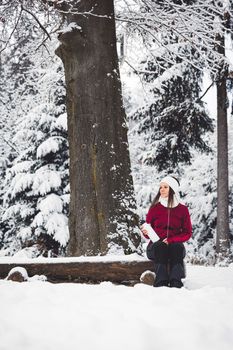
(201, 97)
(138, 74)
(36, 19)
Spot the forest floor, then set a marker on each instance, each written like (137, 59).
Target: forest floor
(40, 315)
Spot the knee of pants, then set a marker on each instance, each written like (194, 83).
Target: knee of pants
(160, 248)
(177, 250)
(149, 252)
(161, 253)
(157, 251)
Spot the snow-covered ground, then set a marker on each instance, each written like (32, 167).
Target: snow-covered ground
(44, 316)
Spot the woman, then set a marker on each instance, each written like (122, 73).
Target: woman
(171, 221)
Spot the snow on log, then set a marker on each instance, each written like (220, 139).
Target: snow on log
(17, 274)
(125, 272)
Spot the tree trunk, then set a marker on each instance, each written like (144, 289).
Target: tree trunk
(222, 240)
(102, 204)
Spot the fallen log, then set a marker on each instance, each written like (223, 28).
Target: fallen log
(83, 271)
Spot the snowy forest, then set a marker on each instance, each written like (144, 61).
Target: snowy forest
(106, 105)
(173, 65)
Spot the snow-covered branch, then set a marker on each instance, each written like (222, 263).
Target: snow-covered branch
(195, 24)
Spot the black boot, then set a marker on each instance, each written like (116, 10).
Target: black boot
(161, 279)
(176, 283)
(176, 273)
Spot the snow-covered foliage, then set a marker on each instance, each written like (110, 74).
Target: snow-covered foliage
(36, 186)
(197, 24)
(36, 197)
(175, 120)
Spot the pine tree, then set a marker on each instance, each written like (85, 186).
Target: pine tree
(37, 196)
(175, 121)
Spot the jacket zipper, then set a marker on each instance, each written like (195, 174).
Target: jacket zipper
(168, 221)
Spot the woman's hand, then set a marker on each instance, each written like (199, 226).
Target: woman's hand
(144, 231)
(165, 241)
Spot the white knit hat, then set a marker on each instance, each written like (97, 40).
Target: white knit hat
(173, 183)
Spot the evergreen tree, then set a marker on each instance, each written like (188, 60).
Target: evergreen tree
(35, 190)
(175, 120)
(37, 195)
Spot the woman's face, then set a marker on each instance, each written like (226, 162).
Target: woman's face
(164, 190)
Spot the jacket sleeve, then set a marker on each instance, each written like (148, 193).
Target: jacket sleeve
(186, 229)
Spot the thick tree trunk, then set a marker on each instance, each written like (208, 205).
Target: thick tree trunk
(102, 200)
(222, 240)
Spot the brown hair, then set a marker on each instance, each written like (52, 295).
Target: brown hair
(170, 198)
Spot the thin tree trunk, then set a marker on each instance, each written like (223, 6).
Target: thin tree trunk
(102, 204)
(222, 240)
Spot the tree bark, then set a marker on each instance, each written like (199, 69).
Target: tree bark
(102, 204)
(222, 239)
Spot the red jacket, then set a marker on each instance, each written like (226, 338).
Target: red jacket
(179, 228)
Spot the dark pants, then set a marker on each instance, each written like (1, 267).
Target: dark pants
(168, 262)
